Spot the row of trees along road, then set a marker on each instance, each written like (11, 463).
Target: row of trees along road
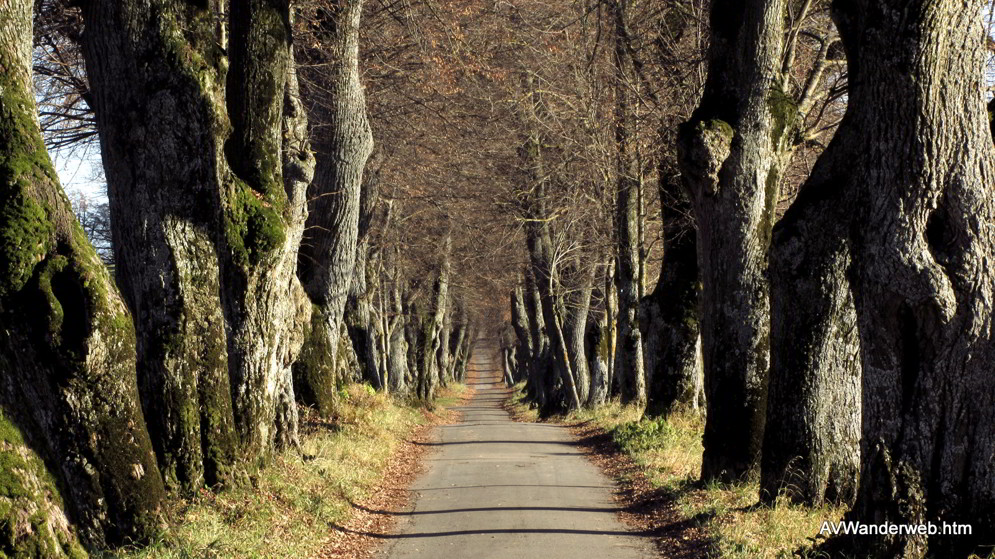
(254, 263)
(775, 212)
(824, 187)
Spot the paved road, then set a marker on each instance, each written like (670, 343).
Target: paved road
(505, 490)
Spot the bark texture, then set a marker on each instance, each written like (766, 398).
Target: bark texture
(632, 374)
(31, 508)
(599, 341)
(671, 339)
(432, 326)
(343, 142)
(207, 190)
(727, 155)
(918, 167)
(67, 348)
(811, 449)
(578, 308)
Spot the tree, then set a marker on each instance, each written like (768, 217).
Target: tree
(343, 141)
(673, 346)
(811, 445)
(67, 346)
(727, 155)
(910, 174)
(628, 177)
(207, 171)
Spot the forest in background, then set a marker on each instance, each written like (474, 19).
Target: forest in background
(774, 213)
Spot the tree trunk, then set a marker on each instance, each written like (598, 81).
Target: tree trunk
(343, 142)
(542, 367)
(457, 342)
(359, 319)
(433, 325)
(728, 158)
(67, 345)
(600, 340)
(206, 199)
(611, 323)
(579, 306)
(917, 166)
(442, 356)
(527, 354)
(260, 290)
(811, 449)
(632, 379)
(397, 347)
(673, 357)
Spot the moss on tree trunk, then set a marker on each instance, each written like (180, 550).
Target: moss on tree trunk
(67, 345)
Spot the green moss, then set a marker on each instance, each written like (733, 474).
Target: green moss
(718, 126)
(27, 489)
(55, 315)
(315, 379)
(254, 225)
(605, 346)
(783, 112)
(25, 225)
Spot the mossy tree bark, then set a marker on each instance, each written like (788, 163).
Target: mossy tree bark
(599, 342)
(343, 142)
(917, 166)
(727, 155)
(207, 192)
(67, 345)
(32, 512)
(672, 342)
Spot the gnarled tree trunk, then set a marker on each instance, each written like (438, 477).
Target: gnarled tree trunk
(67, 348)
(343, 141)
(206, 186)
(432, 326)
(728, 158)
(811, 449)
(917, 166)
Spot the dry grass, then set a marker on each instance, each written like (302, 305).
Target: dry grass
(669, 453)
(290, 508)
(670, 450)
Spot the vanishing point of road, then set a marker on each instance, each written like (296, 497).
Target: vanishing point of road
(505, 490)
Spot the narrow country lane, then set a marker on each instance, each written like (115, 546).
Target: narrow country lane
(501, 489)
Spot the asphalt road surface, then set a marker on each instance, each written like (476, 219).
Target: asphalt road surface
(501, 489)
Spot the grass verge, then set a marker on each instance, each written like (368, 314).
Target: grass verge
(667, 452)
(290, 506)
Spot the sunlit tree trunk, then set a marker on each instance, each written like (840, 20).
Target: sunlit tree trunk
(915, 159)
(343, 142)
(578, 308)
(67, 349)
(632, 374)
(728, 156)
(206, 200)
(432, 325)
